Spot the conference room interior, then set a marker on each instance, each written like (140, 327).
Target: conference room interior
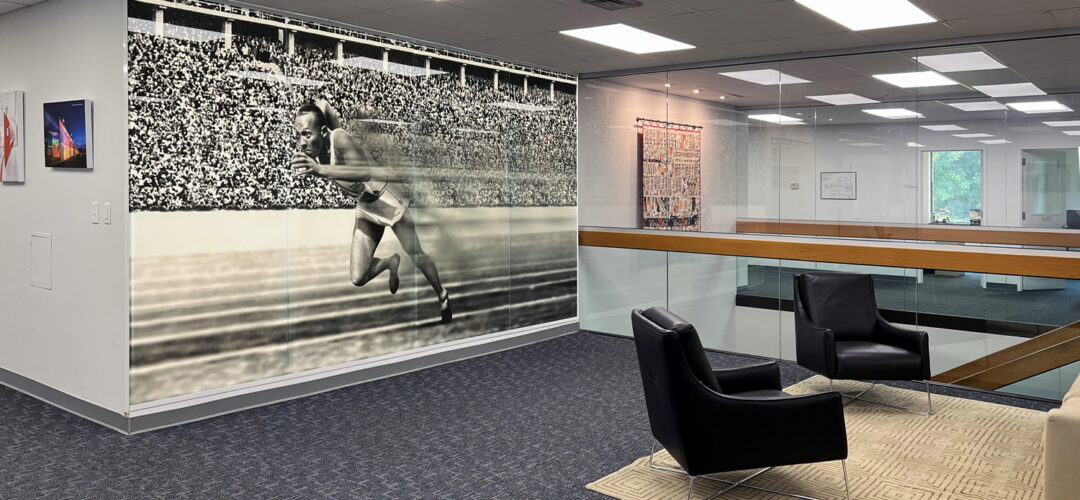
(792, 259)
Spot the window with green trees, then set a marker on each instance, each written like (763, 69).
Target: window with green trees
(955, 185)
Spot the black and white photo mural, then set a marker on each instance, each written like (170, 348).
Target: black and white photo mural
(305, 196)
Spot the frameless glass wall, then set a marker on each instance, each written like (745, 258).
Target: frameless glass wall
(969, 145)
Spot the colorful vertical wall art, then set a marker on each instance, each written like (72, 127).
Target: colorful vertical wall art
(670, 175)
(12, 137)
(69, 134)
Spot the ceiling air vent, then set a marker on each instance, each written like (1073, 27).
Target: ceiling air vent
(614, 4)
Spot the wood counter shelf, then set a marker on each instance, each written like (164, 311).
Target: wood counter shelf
(921, 232)
(994, 260)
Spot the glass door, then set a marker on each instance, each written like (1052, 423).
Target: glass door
(1045, 185)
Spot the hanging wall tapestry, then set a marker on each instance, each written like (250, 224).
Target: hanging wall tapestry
(670, 175)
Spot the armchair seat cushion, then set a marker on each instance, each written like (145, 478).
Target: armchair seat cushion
(858, 360)
(763, 394)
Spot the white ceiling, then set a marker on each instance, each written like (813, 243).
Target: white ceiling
(527, 30)
(10, 5)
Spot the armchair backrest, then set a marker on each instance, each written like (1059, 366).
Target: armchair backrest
(663, 341)
(842, 302)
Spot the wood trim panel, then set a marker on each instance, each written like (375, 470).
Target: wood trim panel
(1009, 355)
(1022, 361)
(961, 234)
(953, 258)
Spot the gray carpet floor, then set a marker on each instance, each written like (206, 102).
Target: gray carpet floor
(535, 422)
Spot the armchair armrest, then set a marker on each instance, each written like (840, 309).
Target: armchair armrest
(749, 378)
(916, 341)
(815, 347)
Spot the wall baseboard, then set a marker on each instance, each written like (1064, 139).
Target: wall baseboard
(185, 409)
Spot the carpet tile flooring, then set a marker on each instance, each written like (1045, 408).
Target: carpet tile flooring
(540, 421)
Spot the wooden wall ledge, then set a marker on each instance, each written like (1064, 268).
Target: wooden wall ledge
(993, 260)
(920, 232)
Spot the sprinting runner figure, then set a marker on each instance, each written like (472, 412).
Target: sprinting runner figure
(326, 150)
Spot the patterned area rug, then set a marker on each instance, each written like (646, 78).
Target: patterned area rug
(966, 450)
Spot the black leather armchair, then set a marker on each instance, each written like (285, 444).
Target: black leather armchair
(839, 333)
(731, 419)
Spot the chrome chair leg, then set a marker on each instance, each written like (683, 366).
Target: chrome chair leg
(847, 491)
(858, 397)
(929, 404)
(730, 484)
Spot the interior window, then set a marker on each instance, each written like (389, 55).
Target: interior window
(955, 186)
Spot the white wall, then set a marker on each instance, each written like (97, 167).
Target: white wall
(608, 153)
(892, 178)
(73, 338)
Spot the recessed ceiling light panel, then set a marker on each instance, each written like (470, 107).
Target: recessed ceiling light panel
(764, 77)
(628, 38)
(1010, 90)
(1071, 132)
(915, 145)
(859, 15)
(978, 106)
(996, 141)
(942, 128)
(893, 113)
(967, 61)
(972, 136)
(1067, 123)
(842, 99)
(916, 79)
(1039, 107)
(777, 119)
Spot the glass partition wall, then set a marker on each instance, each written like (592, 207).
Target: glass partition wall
(972, 145)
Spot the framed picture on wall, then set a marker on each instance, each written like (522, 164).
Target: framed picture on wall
(69, 135)
(839, 186)
(12, 137)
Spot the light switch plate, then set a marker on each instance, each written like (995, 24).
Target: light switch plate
(95, 209)
(108, 213)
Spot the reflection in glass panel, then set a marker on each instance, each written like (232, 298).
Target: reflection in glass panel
(615, 281)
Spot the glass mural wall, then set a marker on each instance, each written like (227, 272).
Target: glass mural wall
(304, 196)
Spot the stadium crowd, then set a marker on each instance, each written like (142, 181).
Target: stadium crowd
(210, 128)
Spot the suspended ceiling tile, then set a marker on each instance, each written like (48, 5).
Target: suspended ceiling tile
(1012, 23)
(631, 61)
(753, 49)
(827, 41)
(545, 14)
(649, 9)
(913, 33)
(686, 56)
(377, 4)
(574, 66)
(778, 19)
(704, 5)
(449, 16)
(965, 9)
(8, 7)
(1066, 18)
(697, 29)
(572, 48)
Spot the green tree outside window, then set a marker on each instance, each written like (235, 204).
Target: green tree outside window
(955, 185)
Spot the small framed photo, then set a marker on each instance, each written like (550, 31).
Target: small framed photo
(69, 134)
(12, 137)
(839, 186)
